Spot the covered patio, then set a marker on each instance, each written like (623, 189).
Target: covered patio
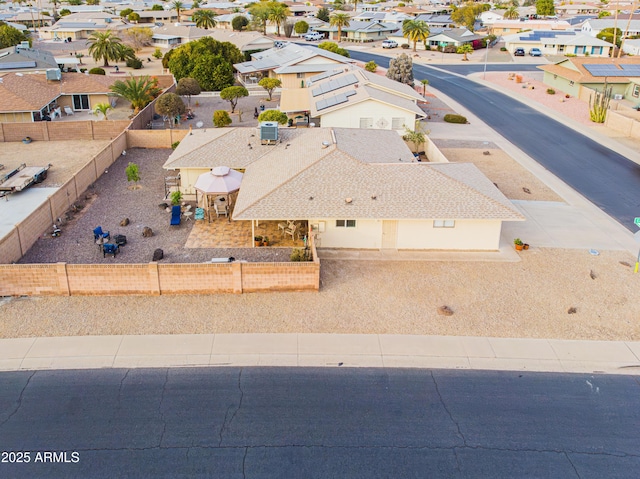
(221, 233)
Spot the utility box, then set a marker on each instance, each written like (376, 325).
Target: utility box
(54, 74)
(269, 132)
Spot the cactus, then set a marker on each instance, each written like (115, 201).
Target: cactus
(599, 104)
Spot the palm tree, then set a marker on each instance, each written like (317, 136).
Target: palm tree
(465, 49)
(415, 31)
(511, 14)
(339, 20)
(424, 82)
(104, 45)
(278, 14)
(137, 90)
(102, 108)
(177, 5)
(204, 19)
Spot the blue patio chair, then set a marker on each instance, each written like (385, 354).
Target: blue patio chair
(99, 234)
(109, 248)
(175, 215)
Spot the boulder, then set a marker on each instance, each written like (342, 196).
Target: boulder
(445, 311)
(158, 255)
(147, 232)
(124, 222)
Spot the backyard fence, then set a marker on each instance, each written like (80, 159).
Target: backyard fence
(52, 131)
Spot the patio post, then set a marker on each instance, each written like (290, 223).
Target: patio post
(253, 234)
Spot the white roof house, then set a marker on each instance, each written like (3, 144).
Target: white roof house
(594, 26)
(357, 188)
(558, 43)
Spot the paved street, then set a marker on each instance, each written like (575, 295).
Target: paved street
(605, 177)
(307, 423)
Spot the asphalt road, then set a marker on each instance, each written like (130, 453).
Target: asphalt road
(318, 423)
(606, 178)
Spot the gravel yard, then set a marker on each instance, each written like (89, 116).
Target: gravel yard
(528, 299)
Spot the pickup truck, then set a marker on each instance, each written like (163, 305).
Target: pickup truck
(313, 36)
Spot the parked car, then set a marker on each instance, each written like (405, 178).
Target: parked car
(519, 52)
(535, 52)
(313, 36)
(389, 44)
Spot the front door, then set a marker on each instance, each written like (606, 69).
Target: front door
(389, 234)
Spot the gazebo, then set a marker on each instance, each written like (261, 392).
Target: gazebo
(216, 187)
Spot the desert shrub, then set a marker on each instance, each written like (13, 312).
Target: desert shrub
(174, 145)
(371, 66)
(405, 46)
(551, 91)
(97, 71)
(134, 63)
(503, 49)
(299, 255)
(453, 118)
(176, 198)
(221, 118)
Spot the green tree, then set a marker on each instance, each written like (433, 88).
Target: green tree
(604, 13)
(188, 87)
(102, 108)
(221, 118)
(133, 17)
(274, 115)
(10, 36)
(278, 13)
(239, 23)
(323, 14)
(607, 34)
(511, 13)
(333, 47)
(137, 90)
(178, 6)
(204, 19)
(125, 13)
(415, 31)
(545, 8)
(157, 54)
(208, 61)
(465, 49)
(105, 46)
(64, 12)
(232, 94)
(138, 37)
(339, 20)
(133, 172)
(401, 69)
(466, 14)
(415, 137)
(270, 84)
(301, 27)
(157, 8)
(371, 66)
(260, 15)
(170, 105)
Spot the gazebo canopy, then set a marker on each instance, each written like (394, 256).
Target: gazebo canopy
(221, 180)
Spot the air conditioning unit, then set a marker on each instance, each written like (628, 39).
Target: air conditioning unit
(54, 74)
(618, 96)
(22, 46)
(268, 132)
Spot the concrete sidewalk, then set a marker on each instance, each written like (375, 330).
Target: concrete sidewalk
(321, 350)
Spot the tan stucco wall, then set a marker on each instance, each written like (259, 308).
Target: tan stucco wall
(20, 117)
(366, 235)
(466, 235)
(349, 117)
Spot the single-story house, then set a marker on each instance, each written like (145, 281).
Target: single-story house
(574, 8)
(570, 75)
(224, 21)
(157, 16)
(29, 97)
(354, 98)
(437, 21)
(356, 188)
(79, 26)
(455, 37)
(596, 25)
(385, 17)
(369, 31)
(30, 19)
(631, 47)
(248, 41)
(19, 59)
(552, 42)
(293, 64)
(506, 27)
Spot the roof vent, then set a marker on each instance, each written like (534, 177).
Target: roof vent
(348, 200)
(54, 74)
(325, 144)
(269, 132)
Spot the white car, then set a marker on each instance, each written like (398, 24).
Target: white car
(389, 44)
(313, 36)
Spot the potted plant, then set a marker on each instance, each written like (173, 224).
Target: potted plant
(518, 243)
(257, 240)
(265, 241)
(525, 246)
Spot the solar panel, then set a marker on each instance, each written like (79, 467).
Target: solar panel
(631, 70)
(334, 84)
(334, 100)
(599, 70)
(9, 65)
(323, 75)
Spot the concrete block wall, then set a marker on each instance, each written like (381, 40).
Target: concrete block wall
(10, 250)
(109, 279)
(199, 278)
(30, 280)
(433, 152)
(154, 138)
(52, 130)
(280, 277)
(620, 123)
(32, 227)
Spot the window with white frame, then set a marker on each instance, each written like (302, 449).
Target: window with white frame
(397, 123)
(444, 223)
(345, 223)
(366, 122)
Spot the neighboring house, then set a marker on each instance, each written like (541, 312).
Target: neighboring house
(455, 37)
(354, 98)
(574, 8)
(299, 9)
(19, 59)
(595, 26)
(572, 74)
(356, 188)
(384, 17)
(506, 27)
(245, 41)
(157, 16)
(79, 26)
(30, 19)
(558, 43)
(169, 36)
(361, 31)
(292, 64)
(437, 21)
(491, 16)
(28, 97)
(631, 47)
(224, 21)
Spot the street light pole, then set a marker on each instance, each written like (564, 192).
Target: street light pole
(486, 54)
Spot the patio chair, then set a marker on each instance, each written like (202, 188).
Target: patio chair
(68, 110)
(109, 248)
(99, 234)
(291, 231)
(175, 215)
(221, 210)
